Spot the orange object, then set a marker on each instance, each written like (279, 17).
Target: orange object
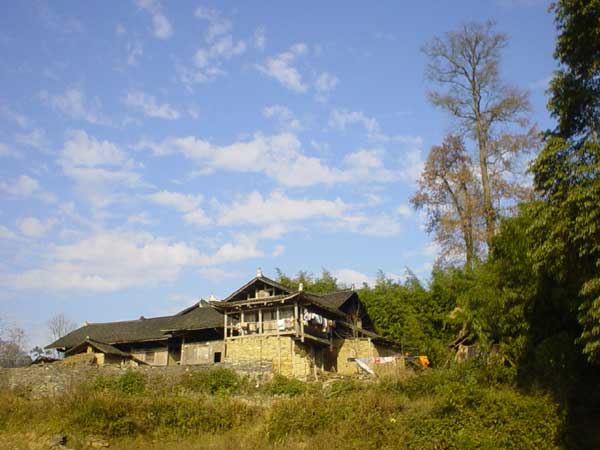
(423, 361)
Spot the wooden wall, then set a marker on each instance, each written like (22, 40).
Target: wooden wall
(201, 352)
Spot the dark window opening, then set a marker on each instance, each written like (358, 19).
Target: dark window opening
(217, 357)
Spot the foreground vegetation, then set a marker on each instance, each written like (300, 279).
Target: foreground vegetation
(459, 407)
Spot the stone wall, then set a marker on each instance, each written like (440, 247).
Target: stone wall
(357, 348)
(47, 380)
(286, 356)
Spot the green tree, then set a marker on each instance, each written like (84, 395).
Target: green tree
(566, 225)
(575, 88)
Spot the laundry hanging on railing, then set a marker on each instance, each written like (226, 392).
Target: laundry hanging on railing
(317, 320)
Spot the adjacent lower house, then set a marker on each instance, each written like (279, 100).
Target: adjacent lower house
(300, 333)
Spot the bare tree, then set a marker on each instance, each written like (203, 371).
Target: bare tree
(450, 194)
(464, 65)
(59, 325)
(12, 353)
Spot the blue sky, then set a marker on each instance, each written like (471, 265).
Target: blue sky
(153, 153)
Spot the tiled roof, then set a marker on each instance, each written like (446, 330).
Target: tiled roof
(142, 329)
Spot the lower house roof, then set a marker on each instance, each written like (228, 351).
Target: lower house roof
(101, 346)
(142, 330)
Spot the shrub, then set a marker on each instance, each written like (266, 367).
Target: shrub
(131, 383)
(215, 381)
(281, 385)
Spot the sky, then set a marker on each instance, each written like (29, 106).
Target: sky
(153, 153)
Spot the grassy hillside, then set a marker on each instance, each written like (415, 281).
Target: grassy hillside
(462, 407)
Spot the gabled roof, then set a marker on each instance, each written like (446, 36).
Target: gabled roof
(100, 346)
(199, 317)
(259, 279)
(334, 300)
(152, 329)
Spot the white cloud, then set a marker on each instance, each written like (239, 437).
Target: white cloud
(180, 202)
(278, 156)
(108, 262)
(25, 186)
(216, 274)
(33, 227)
(324, 84)
(148, 105)
(188, 205)
(231, 252)
(13, 116)
(98, 167)
(224, 48)
(278, 251)
(281, 68)
(7, 234)
(160, 24)
(134, 50)
(259, 38)
(22, 186)
(36, 139)
(5, 150)
(404, 210)
(285, 117)
(83, 150)
(277, 208)
(220, 47)
(142, 218)
(341, 119)
(412, 165)
(74, 104)
(217, 25)
(349, 277)
(58, 22)
(382, 225)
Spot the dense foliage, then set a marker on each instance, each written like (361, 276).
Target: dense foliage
(466, 406)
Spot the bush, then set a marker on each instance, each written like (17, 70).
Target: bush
(215, 381)
(281, 385)
(130, 383)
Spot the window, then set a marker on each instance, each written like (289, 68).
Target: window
(217, 357)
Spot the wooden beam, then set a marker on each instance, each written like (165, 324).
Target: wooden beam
(260, 322)
(315, 338)
(225, 329)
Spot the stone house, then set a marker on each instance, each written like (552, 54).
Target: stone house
(298, 332)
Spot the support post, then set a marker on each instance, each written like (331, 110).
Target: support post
(296, 318)
(260, 322)
(302, 324)
(225, 327)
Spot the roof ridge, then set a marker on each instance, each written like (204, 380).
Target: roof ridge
(131, 320)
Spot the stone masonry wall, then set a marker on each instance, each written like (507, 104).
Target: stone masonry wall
(47, 380)
(357, 348)
(285, 355)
